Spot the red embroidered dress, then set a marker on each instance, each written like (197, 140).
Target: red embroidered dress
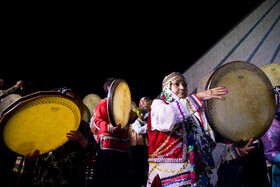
(109, 140)
(180, 152)
(170, 143)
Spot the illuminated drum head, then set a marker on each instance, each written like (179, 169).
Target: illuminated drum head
(249, 107)
(272, 71)
(91, 101)
(39, 121)
(119, 102)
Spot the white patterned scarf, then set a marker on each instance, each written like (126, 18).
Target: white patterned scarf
(166, 93)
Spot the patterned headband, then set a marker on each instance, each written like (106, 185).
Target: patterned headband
(172, 77)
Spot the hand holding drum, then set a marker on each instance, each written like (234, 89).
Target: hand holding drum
(215, 93)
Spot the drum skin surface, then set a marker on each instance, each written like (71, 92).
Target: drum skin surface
(203, 81)
(8, 100)
(249, 107)
(39, 121)
(85, 113)
(119, 103)
(91, 101)
(272, 71)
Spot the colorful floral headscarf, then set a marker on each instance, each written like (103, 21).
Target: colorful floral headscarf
(142, 102)
(145, 103)
(166, 93)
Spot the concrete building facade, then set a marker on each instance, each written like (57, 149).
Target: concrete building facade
(256, 39)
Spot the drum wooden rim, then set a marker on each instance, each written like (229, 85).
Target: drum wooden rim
(8, 100)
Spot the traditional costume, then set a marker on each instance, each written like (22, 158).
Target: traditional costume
(67, 164)
(112, 159)
(271, 142)
(138, 130)
(64, 166)
(139, 148)
(108, 139)
(180, 152)
(145, 104)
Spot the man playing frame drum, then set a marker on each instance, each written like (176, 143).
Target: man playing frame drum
(112, 159)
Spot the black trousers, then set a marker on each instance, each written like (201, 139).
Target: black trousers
(248, 171)
(140, 164)
(112, 168)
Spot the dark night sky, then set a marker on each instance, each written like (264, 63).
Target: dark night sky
(141, 43)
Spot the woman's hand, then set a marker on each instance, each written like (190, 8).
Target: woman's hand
(117, 128)
(77, 136)
(214, 93)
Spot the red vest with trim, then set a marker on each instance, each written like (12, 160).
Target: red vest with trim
(109, 140)
(167, 147)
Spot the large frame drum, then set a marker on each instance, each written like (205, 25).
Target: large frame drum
(39, 121)
(249, 107)
(119, 103)
(91, 101)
